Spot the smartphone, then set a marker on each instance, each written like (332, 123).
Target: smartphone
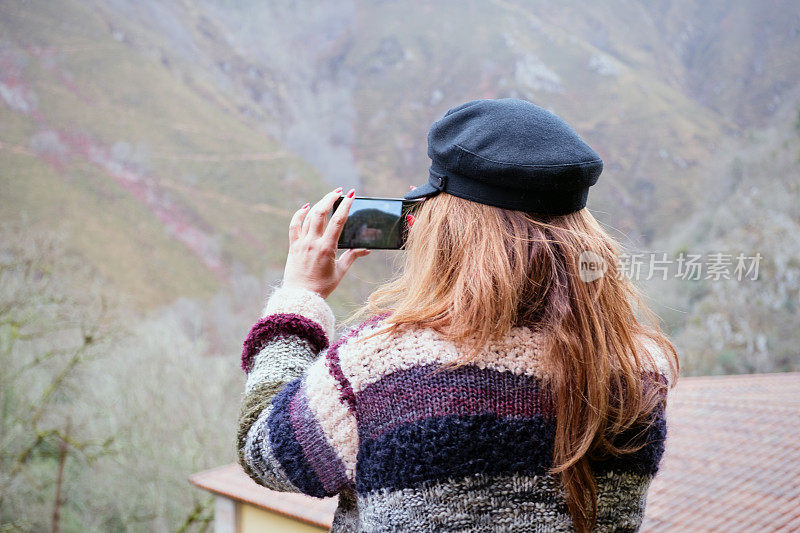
(375, 223)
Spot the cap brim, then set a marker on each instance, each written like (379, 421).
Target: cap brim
(423, 191)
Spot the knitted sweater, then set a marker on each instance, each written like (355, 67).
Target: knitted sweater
(408, 448)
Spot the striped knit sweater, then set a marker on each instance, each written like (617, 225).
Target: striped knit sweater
(408, 448)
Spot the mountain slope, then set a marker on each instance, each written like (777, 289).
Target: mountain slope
(744, 324)
(161, 182)
(174, 139)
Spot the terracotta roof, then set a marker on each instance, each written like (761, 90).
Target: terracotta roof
(231, 481)
(732, 462)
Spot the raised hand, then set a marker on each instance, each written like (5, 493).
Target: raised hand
(312, 262)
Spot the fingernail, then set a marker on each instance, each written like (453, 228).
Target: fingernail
(337, 189)
(351, 193)
(305, 206)
(410, 220)
(412, 187)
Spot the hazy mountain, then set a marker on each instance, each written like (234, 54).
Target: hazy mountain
(173, 140)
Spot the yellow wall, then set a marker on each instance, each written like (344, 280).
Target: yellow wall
(255, 520)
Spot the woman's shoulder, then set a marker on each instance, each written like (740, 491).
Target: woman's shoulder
(655, 359)
(367, 352)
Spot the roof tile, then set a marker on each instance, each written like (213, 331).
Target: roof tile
(733, 444)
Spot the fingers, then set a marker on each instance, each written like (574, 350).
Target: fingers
(296, 223)
(314, 224)
(335, 226)
(347, 259)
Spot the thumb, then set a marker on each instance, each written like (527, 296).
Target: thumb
(348, 258)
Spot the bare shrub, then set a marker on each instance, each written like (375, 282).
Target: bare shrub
(105, 412)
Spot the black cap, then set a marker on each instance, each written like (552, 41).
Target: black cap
(512, 154)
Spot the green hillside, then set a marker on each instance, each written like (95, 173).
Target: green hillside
(161, 182)
(173, 140)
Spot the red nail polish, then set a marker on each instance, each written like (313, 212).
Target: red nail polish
(410, 220)
(337, 189)
(351, 193)
(305, 206)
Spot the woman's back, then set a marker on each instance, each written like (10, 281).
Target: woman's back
(447, 411)
(415, 446)
(469, 448)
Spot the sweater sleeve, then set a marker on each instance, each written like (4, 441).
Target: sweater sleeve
(296, 431)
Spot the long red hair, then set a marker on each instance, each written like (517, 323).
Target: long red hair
(472, 272)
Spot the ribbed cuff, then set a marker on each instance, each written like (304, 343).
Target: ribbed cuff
(303, 302)
(272, 326)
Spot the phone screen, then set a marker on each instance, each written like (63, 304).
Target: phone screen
(374, 223)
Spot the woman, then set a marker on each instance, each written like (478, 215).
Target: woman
(501, 384)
